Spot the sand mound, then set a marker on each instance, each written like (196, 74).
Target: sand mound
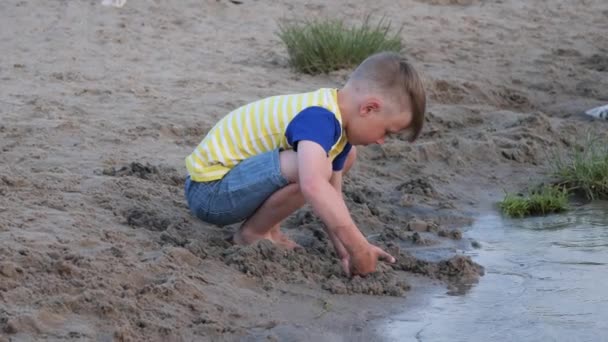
(318, 266)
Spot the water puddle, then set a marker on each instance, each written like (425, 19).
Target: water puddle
(545, 280)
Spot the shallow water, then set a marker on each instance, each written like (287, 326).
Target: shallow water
(546, 280)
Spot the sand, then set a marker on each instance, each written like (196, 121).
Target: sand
(100, 105)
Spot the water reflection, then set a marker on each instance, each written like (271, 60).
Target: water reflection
(544, 281)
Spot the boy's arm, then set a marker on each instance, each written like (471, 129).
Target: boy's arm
(336, 183)
(325, 200)
(314, 183)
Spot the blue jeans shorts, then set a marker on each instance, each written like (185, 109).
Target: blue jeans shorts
(241, 191)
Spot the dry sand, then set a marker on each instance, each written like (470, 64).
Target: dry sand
(99, 106)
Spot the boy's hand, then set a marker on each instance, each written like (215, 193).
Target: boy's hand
(313, 175)
(363, 260)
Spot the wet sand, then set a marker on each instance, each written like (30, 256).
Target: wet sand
(100, 106)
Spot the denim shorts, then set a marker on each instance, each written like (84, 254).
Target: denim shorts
(241, 191)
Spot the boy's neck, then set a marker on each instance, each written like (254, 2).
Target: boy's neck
(345, 104)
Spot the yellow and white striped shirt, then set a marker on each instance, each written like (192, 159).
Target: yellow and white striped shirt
(256, 128)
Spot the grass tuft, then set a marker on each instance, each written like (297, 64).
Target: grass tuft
(586, 170)
(324, 45)
(542, 201)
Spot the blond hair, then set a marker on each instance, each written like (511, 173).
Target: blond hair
(390, 74)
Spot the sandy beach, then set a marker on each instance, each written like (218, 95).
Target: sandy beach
(99, 106)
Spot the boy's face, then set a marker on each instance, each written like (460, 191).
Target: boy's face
(376, 120)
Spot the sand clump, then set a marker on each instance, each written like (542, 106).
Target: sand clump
(318, 265)
(266, 261)
(147, 171)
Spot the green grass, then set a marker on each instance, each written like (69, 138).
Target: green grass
(542, 201)
(586, 170)
(324, 45)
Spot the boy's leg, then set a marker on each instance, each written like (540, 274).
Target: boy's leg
(275, 233)
(265, 222)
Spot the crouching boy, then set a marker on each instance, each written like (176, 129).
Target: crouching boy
(266, 159)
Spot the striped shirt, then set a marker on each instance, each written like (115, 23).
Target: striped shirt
(268, 124)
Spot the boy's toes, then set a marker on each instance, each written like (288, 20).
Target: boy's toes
(282, 240)
(287, 243)
(243, 238)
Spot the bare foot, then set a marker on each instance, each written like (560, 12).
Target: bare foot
(279, 238)
(242, 237)
(245, 237)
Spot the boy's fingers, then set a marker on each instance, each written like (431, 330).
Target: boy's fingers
(345, 266)
(385, 256)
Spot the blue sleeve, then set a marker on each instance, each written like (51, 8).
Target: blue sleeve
(340, 159)
(315, 124)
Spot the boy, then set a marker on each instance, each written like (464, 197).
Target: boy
(266, 159)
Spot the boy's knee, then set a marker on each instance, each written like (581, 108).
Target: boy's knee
(289, 166)
(352, 154)
(350, 159)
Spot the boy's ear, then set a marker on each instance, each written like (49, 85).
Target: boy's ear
(370, 105)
